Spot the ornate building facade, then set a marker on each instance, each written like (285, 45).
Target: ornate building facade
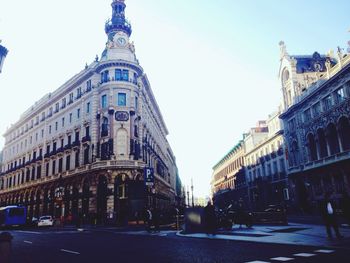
(316, 118)
(83, 148)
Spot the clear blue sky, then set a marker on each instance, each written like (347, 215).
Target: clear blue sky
(212, 64)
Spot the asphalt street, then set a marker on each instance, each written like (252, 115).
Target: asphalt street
(109, 245)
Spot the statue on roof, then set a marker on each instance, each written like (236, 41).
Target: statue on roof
(283, 49)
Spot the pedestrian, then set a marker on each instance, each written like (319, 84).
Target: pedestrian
(328, 210)
(156, 219)
(210, 218)
(148, 219)
(240, 213)
(345, 206)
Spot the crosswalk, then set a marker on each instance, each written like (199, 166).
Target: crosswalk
(295, 256)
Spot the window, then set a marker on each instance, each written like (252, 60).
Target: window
(63, 103)
(88, 107)
(57, 106)
(104, 76)
(78, 113)
(42, 133)
(125, 75)
(79, 93)
(118, 74)
(50, 129)
(88, 85)
(136, 103)
(50, 112)
(316, 109)
(71, 98)
(56, 126)
(53, 167)
(104, 101)
(70, 117)
(68, 162)
(340, 95)
(121, 99)
(327, 102)
(63, 122)
(307, 115)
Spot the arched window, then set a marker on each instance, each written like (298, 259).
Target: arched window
(312, 147)
(322, 143)
(332, 138)
(344, 132)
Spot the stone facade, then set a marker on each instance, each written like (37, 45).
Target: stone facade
(317, 127)
(265, 165)
(82, 149)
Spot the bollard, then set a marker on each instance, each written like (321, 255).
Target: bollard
(5, 247)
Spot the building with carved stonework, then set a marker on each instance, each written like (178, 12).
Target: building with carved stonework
(82, 149)
(316, 91)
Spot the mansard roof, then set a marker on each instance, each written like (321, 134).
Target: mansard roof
(316, 62)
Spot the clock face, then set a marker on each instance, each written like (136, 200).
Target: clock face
(121, 41)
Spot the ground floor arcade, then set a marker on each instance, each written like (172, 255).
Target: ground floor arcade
(105, 196)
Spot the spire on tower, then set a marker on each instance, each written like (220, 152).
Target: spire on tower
(118, 21)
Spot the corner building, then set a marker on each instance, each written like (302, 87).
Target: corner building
(82, 149)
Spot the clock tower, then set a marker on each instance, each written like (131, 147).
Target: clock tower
(118, 30)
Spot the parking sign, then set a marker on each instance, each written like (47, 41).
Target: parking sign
(149, 176)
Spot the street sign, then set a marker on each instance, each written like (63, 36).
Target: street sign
(149, 176)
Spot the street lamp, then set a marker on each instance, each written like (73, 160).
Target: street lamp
(3, 53)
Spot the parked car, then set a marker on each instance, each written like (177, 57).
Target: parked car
(46, 221)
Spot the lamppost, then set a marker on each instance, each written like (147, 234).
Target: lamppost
(3, 53)
(188, 197)
(192, 192)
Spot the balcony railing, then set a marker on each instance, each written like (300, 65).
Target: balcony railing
(86, 139)
(68, 147)
(76, 144)
(60, 150)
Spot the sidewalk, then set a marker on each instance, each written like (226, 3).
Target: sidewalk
(292, 234)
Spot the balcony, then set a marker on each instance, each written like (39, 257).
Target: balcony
(104, 133)
(78, 96)
(68, 147)
(47, 155)
(60, 150)
(76, 144)
(39, 158)
(86, 139)
(53, 152)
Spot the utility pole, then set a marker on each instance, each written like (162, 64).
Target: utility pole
(192, 192)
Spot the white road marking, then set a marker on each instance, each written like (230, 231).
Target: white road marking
(257, 261)
(283, 259)
(29, 232)
(69, 251)
(325, 251)
(28, 242)
(305, 255)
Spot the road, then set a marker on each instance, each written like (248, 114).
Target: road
(109, 245)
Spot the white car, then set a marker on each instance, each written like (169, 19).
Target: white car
(45, 221)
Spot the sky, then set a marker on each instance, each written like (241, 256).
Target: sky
(212, 65)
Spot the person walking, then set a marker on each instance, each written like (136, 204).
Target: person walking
(148, 219)
(210, 218)
(328, 210)
(156, 219)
